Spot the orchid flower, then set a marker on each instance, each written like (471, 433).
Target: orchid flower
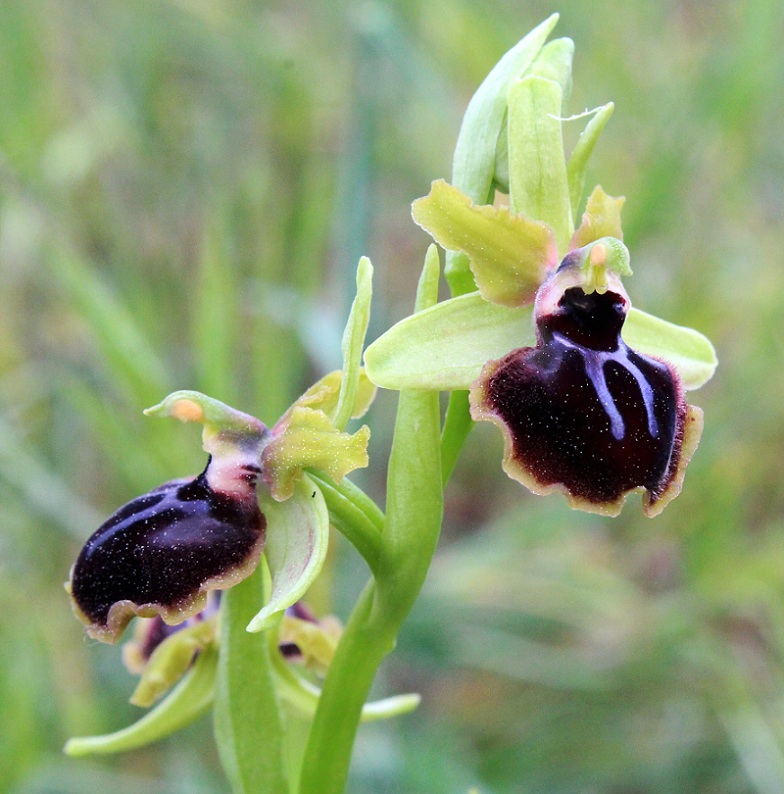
(263, 494)
(588, 392)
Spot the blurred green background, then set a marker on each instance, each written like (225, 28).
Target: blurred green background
(185, 189)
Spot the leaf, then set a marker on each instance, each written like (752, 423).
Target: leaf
(446, 346)
(191, 698)
(297, 539)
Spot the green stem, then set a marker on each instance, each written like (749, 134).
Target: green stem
(354, 514)
(346, 687)
(457, 426)
(364, 503)
(248, 728)
(414, 509)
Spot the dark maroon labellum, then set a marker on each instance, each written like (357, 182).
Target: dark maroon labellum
(161, 553)
(583, 411)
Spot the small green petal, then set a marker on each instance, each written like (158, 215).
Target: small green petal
(578, 162)
(305, 438)
(296, 547)
(602, 218)
(509, 255)
(324, 394)
(353, 342)
(446, 346)
(691, 353)
(538, 186)
(191, 698)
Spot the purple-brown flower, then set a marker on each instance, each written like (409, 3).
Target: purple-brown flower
(587, 391)
(583, 413)
(161, 553)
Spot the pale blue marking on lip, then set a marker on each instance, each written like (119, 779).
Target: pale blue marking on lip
(595, 361)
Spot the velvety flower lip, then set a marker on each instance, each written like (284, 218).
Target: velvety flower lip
(162, 552)
(583, 413)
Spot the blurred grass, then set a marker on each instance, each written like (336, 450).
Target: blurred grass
(185, 188)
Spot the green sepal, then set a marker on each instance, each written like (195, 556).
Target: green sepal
(583, 149)
(170, 661)
(305, 438)
(188, 701)
(446, 346)
(475, 165)
(193, 406)
(538, 186)
(296, 550)
(509, 254)
(602, 218)
(689, 351)
(353, 342)
(316, 640)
